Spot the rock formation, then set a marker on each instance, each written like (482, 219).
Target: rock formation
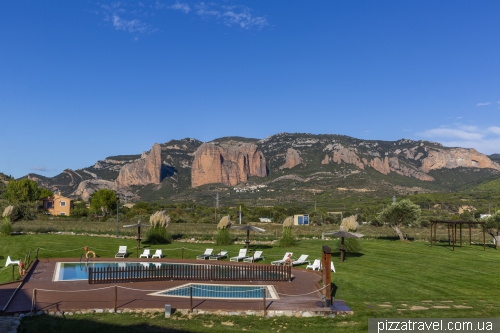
(381, 166)
(144, 171)
(404, 170)
(454, 158)
(87, 187)
(228, 163)
(348, 156)
(292, 158)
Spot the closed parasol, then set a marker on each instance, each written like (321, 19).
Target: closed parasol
(138, 225)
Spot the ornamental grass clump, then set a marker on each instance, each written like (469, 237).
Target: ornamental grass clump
(158, 233)
(351, 245)
(223, 236)
(287, 239)
(6, 228)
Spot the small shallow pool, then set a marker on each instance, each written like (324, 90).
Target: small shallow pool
(220, 291)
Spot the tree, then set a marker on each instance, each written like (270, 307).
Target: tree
(23, 190)
(493, 227)
(103, 201)
(400, 214)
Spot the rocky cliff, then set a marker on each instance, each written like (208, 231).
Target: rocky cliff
(292, 159)
(228, 163)
(144, 171)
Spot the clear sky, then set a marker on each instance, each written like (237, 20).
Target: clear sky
(83, 80)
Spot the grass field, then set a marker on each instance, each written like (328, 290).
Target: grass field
(387, 279)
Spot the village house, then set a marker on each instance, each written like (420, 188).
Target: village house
(56, 204)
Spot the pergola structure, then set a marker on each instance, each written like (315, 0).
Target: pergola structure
(452, 226)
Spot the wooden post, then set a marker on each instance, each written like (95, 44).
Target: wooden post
(326, 261)
(191, 299)
(470, 235)
(484, 238)
(116, 296)
(431, 233)
(182, 253)
(264, 298)
(449, 236)
(37, 252)
(34, 300)
(454, 234)
(460, 234)
(12, 272)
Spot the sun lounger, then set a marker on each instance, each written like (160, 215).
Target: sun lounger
(301, 260)
(242, 255)
(206, 255)
(12, 262)
(145, 254)
(220, 255)
(280, 262)
(122, 252)
(256, 256)
(158, 254)
(316, 265)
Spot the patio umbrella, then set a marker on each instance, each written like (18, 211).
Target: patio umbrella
(138, 225)
(248, 228)
(343, 234)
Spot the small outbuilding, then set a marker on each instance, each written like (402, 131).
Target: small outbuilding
(301, 219)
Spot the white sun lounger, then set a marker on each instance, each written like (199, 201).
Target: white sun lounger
(301, 260)
(158, 254)
(12, 262)
(241, 256)
(204, 256)
(220, 255)
(316, 265)
(280, 262)
(256, 256)
(145, 254)
(122, 252)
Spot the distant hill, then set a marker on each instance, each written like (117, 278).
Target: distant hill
(286, 167)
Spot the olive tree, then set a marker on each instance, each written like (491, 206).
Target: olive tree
(493, 227)
(400, 214)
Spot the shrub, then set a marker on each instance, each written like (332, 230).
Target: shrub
(287, 239)
(6, 228)
(223, 236)
(158, 233)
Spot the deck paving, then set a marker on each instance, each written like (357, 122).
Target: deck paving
(298, 295)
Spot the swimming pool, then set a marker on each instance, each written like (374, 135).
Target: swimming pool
(220, 291)
(74, 271)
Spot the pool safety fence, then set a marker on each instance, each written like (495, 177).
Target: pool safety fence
(190, 272)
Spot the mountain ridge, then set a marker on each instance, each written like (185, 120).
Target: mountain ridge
(313, 163)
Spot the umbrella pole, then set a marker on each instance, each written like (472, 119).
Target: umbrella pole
(248, 239)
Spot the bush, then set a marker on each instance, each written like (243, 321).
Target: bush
(158, 235)
(223, 237)
(6, 228)
(287, 239)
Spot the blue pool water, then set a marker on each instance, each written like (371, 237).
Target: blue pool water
(220, 291)
(72, 271)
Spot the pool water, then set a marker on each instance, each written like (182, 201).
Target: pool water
(74, 271)
(220, 291)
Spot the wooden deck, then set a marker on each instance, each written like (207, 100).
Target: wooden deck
(298, 295)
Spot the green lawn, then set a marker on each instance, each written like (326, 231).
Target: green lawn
(387, 279)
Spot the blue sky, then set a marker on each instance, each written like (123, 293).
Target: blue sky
(83, 80)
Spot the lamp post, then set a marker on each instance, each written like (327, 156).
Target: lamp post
(117, 209)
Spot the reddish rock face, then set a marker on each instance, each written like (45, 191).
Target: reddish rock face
(347, 155)
(228, 163)
(381, 166)
(292, 158)
(454, 158)
(144, 171)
